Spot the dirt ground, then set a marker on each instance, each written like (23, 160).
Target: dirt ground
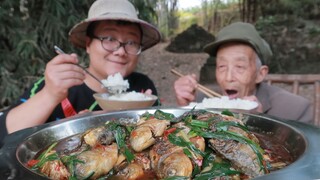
(157, 63)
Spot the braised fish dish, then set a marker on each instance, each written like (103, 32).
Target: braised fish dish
(199, 144)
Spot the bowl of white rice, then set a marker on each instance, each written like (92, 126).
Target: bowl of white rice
(124, 101)
(224, 103)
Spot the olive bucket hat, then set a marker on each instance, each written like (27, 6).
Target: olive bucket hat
(114, 10)
(241, 32)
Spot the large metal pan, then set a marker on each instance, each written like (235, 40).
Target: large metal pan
(300, 139)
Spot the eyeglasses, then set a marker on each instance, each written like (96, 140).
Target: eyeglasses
(109, 43)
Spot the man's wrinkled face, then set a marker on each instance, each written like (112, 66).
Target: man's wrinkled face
(236, 70)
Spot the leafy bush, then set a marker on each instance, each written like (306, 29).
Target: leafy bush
(29, 30)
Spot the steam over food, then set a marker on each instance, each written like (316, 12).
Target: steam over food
(197, 145)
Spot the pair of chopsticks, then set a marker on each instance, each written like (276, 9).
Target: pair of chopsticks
(200, 87)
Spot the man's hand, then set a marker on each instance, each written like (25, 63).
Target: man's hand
(62, 73)
(148, 91)
(84, 111)
(185, 89)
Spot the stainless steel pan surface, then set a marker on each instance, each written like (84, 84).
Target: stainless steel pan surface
(302, 140)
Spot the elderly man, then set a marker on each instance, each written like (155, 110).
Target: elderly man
(241, 57)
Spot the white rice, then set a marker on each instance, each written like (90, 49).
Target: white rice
(130, 96)
(116, 80)
(225, 103)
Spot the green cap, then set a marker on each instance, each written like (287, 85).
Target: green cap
(241, 32)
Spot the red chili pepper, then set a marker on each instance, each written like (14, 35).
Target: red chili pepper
(197, 137)
(57, 168)
(199, 162)
(32, 162)
(100, 146)
(168, 131)
(134, 134)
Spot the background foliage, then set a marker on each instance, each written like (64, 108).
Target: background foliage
(30, 28)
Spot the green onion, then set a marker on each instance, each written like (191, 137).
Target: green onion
(163, 115)
(196, 168)
(120, 135)
(129, 129)
(46, 151)
(43, 158)
(112, 125)
(50, 157)
(72, 178)
(176, 178)
(128, 154)
(227, 112)
(192, 134)
(208, 159)
(120, 138)
(217, 170)
(70, 162)
(201, 124)
(227, 135)
(223, 126)
(179, 141)
(146, 115)
(187, 118)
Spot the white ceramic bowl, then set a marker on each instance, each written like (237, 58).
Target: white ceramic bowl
(113, 105)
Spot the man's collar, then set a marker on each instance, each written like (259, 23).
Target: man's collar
(263, 95)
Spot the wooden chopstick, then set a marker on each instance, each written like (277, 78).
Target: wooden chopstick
(208, 92)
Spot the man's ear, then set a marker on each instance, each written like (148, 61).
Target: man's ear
(88, 41)
(263, 71)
